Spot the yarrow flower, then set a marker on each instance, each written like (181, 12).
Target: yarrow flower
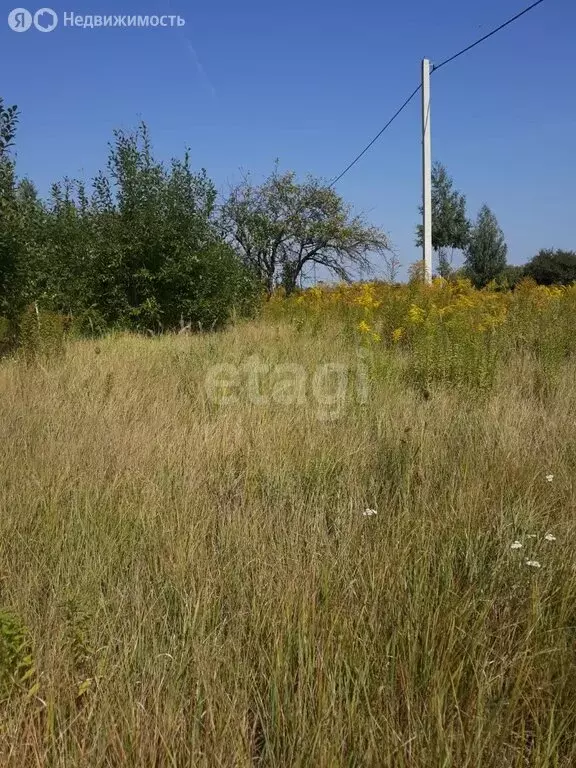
(369, 512)
(516, 545)
(549, 478)
(533, 563)
(550, 537)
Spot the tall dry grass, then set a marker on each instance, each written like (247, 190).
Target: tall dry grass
(199, 585)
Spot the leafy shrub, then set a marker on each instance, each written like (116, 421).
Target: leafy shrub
(16, 658)
(552, 267)
(204, 289)
(140, 250)
(509, 277)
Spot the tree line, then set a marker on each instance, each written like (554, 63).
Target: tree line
(483, 244)
(148, 245)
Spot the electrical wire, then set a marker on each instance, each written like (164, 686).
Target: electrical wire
(485, 37)
(434, 69)
(375, 139)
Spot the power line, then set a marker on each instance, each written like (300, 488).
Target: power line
(434, 68)
(367, 147)
(481, 40)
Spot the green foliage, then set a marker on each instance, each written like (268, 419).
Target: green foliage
(453, 353)
(138, 250)
(510, 277)
(16, 658)
(82, 656)
(148, 247)
(282, 227)
(219, 282)
(10, 249)
(486, 250)
(10, 245)
(76, 623)
(450, 226)
(552, 267)
(8, 123)
(542, 322)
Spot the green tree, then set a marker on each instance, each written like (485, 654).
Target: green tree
(11, 262)
(552, 267)
(450, 226)
(65, 261)
(32, 221)
(486, 252)
(281, 227)
(157, 256)
(141, 249)
(167, 256)
(22, 227)
(8, 122)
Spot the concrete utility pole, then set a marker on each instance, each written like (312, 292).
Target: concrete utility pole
(426, 174)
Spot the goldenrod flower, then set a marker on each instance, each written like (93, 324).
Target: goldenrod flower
(416, 314)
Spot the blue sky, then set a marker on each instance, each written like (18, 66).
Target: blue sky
(310, 83)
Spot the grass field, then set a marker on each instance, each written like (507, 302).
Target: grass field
(312, 565)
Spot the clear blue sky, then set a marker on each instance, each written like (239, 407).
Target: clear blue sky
(310, 83)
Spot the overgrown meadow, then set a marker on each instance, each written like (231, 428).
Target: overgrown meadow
(339, 534)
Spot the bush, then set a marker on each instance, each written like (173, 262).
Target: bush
(553, 267)
(140, 250)
(510, 277)
(16, 659)
(205, 289)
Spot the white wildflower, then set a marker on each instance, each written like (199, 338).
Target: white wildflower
(532, 536)
(550, 537)
(516, 545)
(549, 477)
(369, 512)
(533, 563)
